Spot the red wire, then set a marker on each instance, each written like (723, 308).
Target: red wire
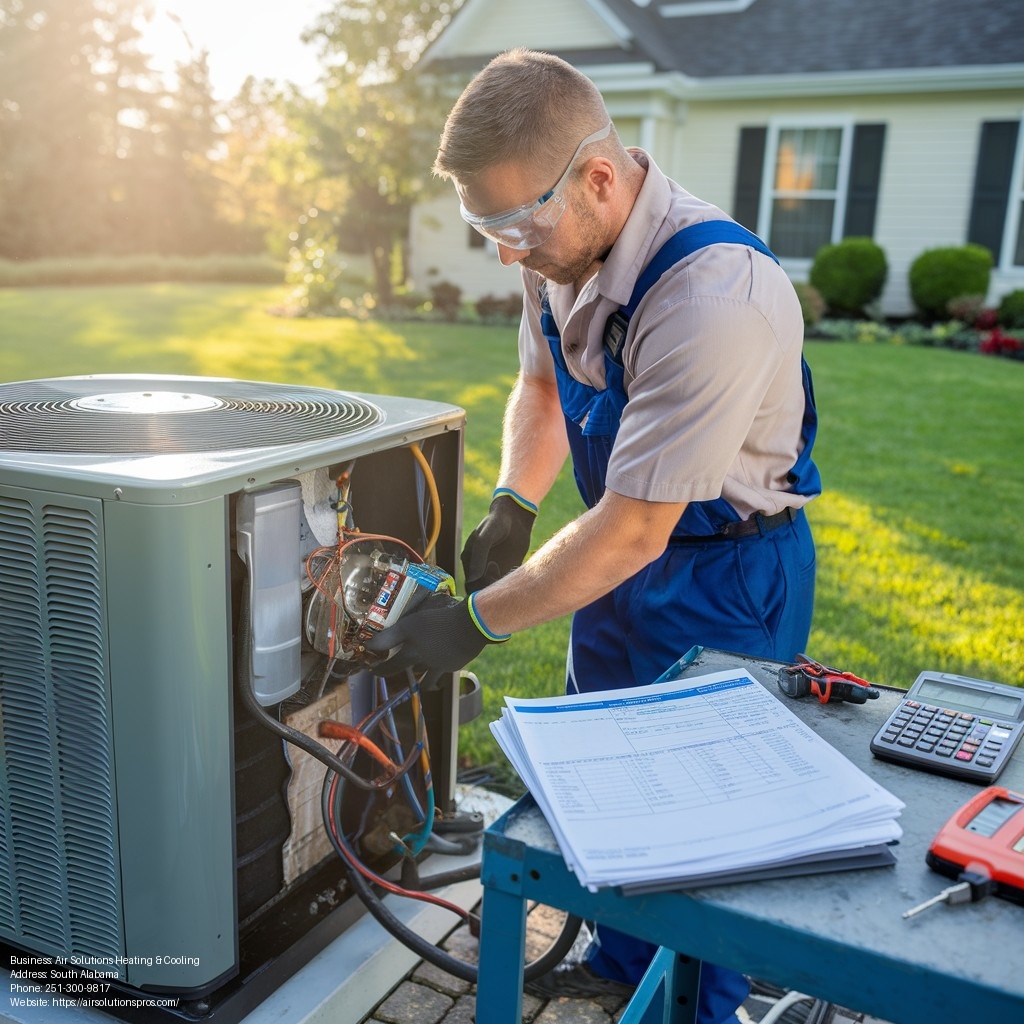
(425, 897)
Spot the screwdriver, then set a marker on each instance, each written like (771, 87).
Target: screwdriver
(971, 887)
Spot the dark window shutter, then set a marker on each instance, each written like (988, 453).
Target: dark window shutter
(996, 151)
(865, 175)
(749, 171)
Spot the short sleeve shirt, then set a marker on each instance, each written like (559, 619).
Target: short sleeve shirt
(712, 359)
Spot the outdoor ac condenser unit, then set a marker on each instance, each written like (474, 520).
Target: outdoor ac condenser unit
(140, 827)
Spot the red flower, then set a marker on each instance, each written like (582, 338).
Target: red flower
(998, 343)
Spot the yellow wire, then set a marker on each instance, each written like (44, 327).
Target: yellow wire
(435, 500)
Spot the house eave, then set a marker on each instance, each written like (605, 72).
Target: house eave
(851, 83)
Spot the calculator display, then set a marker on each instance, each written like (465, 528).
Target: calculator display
(963, 698)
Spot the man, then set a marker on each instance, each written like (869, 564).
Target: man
(684, 403)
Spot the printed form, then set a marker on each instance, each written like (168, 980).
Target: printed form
(687, 778)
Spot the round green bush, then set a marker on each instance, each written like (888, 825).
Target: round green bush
(812, 305)
(1011, 309)
(939, 275)
(850, 275)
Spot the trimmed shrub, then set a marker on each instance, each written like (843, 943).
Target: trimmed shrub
(966, 308)
(1011, 309)
(939, 275)
(850, 275)
(812, 305)
(492, 309)
(141, 269)
(446, 298)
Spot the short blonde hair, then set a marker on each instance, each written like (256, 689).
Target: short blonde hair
(526, 106)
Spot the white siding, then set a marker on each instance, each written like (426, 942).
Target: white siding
(440, 251)
(927, 166)
(482, 28)
(925, 193)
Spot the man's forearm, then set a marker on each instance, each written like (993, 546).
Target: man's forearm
(585, 559)
(534, 444)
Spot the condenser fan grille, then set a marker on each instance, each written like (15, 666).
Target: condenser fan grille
(133, 415)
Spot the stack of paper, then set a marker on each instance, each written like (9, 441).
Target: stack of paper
(693, 781)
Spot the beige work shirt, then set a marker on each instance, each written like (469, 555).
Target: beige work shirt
(712, 359)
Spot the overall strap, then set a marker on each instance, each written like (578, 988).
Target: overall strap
(682, 244)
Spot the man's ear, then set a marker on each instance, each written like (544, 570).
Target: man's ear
(600, 177)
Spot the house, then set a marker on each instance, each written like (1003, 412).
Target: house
(806, 120)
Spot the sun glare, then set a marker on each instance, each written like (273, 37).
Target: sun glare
(240, 38)
(165, 36)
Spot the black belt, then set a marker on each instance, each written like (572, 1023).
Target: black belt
(757, 523)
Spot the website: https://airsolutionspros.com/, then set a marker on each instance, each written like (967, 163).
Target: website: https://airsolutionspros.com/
(42, 981)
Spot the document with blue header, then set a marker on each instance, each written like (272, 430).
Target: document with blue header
(693, 781)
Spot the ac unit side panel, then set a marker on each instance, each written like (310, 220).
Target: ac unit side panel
(161, 484)
(59, 867)
(170, 665)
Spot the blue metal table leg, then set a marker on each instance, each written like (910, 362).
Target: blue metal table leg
(681, 996)
(667, 993)
(502, 953)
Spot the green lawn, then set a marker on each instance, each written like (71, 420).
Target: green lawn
(921, 562)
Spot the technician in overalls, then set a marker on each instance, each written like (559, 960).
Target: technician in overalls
(681, 396)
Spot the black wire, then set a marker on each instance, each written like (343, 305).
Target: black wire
(320, 752)
(552, 956)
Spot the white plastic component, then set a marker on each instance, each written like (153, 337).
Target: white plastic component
(268, 543)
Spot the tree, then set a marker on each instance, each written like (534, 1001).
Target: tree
(66, 69)
(378, 126)
(97, 154)
(270, 178)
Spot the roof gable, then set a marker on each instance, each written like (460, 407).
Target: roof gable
(485, 27)
(729, 39)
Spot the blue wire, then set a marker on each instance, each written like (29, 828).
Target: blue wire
(407, 785)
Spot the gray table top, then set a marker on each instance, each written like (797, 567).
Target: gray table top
(863, 908)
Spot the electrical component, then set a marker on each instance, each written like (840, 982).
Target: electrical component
(364, 584)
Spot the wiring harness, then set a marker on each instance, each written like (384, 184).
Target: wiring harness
(358, 586)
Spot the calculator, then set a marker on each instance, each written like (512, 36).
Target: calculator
(954, 725)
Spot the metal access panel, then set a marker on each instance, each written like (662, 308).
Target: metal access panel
(118, 785)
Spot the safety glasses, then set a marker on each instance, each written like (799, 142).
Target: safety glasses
(530, 225)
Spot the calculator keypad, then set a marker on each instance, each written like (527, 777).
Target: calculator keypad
(944, 734)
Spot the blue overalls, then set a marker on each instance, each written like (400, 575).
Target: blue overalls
(753, 595)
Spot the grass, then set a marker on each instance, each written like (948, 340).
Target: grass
(920, 557)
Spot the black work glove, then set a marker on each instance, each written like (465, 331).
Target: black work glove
(499, 544)
(439, 636)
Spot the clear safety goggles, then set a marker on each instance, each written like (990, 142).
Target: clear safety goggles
(530, 225)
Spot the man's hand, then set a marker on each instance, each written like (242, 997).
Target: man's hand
(441, 635)
(499, 544)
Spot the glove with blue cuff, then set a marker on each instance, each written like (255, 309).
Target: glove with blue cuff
(499, 544)
(442, 635)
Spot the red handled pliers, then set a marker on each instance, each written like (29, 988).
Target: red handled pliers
(809, 676)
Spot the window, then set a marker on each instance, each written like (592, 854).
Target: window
(1015, 256)
(997, 207)
(805, 190)
(1018, 253)
(804, 185)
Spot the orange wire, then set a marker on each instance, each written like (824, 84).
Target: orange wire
(340, 731)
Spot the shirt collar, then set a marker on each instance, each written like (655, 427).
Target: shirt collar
(631, 251)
